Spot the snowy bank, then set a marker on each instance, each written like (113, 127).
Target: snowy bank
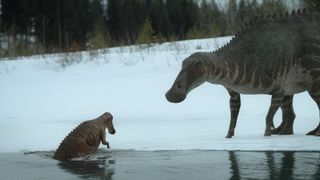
(45, 97)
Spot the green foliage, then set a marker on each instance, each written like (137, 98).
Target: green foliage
(146, 36)
(23, 49)
(99, 35)
(99, 38)
(195, 33)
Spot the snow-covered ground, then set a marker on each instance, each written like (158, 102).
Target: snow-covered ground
(42, 98)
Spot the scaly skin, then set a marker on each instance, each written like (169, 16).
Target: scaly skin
(275, 55)
(85, 138)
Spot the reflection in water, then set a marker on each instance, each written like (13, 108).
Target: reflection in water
(274, 165)
(287, 165)
(317, 174)
(88, 169)
(163, 165)
(93, 166)
(96, 166)
(235, 175)
(271, 165)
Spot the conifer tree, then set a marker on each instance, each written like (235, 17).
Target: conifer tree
(212, 21)
(160, 20)
(147, 34)
(134, 16)
(183, 14)
(115, 19)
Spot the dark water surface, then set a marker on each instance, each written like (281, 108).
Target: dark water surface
(164, 165)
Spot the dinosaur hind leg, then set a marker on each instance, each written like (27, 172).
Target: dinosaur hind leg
(83, 149)
(315, 131)
(316, 98)
(288, 116)
(276, 102)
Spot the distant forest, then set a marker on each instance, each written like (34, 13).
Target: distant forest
(30, 27)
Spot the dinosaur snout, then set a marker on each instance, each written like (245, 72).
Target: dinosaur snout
(174, 96)
(112, 131)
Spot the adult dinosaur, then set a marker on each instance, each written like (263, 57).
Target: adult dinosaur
(275, 54)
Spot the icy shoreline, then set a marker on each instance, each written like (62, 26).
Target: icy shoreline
(163, 165)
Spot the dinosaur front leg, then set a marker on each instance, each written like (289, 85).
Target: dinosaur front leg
(276, 101)
(103, 140)
(106, 143)
(235, 104)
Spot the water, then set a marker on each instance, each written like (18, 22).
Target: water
(164, 165)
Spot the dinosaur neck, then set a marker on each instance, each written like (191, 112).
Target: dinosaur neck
(220, 71)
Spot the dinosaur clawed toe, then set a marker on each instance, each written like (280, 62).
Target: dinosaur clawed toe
(284, 128)
(315, 132)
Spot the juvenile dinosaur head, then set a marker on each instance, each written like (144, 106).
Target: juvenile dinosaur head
(193, 73)
(107, 122)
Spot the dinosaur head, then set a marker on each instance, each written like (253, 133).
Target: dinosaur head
(107, 122)
(192, 74)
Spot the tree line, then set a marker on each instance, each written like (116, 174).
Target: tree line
(45, 26)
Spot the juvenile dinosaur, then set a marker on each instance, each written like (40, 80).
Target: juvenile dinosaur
(85, 138)
(277, 55)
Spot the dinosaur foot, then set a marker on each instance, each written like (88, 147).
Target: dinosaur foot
(106, 143)
(286, 131)
(276, 130)
(230, 134)
(267, 133)
(314, 133)
(282, 131)
(284, 128)
(310, 133)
